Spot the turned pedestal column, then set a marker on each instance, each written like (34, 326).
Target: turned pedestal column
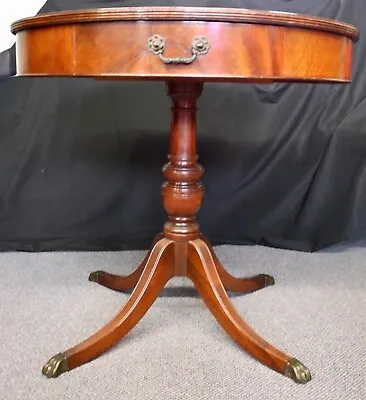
(181, 250)
(185, 47)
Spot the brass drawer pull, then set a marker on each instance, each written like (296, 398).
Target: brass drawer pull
(200, 46)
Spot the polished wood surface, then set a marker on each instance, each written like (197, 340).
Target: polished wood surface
(245, 45)
(123, 283)
(231, 283)
(202, 271)
(236, 15)
(161, 265)
(194, 45)
(158, 270)
(181, 250)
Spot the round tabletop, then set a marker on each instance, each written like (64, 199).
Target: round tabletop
(205, 44)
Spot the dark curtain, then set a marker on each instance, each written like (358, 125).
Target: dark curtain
(80, 159)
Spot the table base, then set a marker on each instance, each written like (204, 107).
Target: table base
(181, 250)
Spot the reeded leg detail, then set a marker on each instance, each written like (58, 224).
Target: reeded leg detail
(244, 285)
(122, 283)
(118, 283)
(202, 271)
(182, 251)
(157, 272)
(234, 284)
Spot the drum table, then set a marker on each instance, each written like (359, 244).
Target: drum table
(185, 47)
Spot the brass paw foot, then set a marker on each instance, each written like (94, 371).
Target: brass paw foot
(297, 371)
(268, 279)
(55, 366)
(94, 276)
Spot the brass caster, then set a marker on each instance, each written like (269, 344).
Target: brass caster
(55, 366)
(94, 276)
(268, 279)
(297, 371)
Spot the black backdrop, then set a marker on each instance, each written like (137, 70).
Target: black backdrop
(80, 159)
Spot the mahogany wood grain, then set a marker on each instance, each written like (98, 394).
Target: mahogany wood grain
(203, 273)
(220, 14)
(181, 251)
(122, 283)
(182, 192)
(248, 46)
(119, 283)
(157, 272)
(235, 284)
(245, 46)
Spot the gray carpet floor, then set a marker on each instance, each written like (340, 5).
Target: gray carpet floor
(316, 312)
